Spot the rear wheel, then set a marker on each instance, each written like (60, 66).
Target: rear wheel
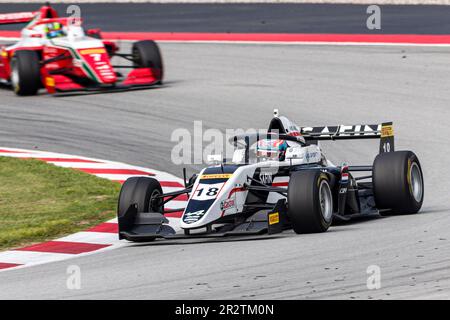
(146, 54)
(141, 191)
(310, 201)
(398, 183)
(25, 72)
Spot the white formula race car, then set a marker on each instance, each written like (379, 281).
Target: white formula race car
(277, 181)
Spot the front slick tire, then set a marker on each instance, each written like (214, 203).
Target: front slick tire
(25, 73)
(398, 183)
(140, 191)
(310, 201)
(146, 54)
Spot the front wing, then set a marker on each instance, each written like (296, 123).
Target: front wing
(136, 79)
(147, 226)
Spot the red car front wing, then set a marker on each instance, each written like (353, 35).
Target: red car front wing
(137, 78)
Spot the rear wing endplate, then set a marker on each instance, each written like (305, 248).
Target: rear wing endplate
(383, 131)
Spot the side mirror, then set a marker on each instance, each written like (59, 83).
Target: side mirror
(94, 33)
(238, 156)
(214, 159)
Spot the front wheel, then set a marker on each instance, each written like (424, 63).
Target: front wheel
(25, 72)
(398, 183)
(143, 192)
(310, 201)
(146, 54)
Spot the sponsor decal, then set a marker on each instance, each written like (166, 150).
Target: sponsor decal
(310, 155)
(343, 130)
(387, 131)
(191, 217)
(50, 50)
(77, 63)
(49, 82)
(274, 218)
(93, 51)
(408, 176)
(216, 176)
(265, 177)
(227, 204)
(97, 59)
(323, 176)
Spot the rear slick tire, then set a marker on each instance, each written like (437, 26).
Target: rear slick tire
(398, 183)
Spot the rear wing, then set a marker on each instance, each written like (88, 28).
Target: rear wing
(383, 131)
(16, 17)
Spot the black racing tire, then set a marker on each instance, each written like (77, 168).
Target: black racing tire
(398, 183)
(26, 73)
(146, 54)
(139, 190)
(305, 211)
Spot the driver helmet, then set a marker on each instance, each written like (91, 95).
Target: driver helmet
(54, 30)
(273, 149)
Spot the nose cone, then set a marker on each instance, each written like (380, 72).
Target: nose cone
(97, 65)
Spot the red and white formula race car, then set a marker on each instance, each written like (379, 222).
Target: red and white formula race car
(57, 54)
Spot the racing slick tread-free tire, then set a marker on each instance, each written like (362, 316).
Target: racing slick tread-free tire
(304, 201)
(25, 72)
(398, 182)
(146, 54)
(139, 191)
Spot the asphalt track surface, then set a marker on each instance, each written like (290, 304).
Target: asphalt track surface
(254, 18)
(237, 86)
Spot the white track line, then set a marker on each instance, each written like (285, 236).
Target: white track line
(92, 237)
(31, 257)
(367, 2)
(282, 43)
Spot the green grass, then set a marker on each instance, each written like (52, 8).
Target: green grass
(39, 201)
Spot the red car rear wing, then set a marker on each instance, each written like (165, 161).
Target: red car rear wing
(45, 12)
(17, 17)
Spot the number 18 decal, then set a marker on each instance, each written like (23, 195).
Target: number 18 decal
(207, 191)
